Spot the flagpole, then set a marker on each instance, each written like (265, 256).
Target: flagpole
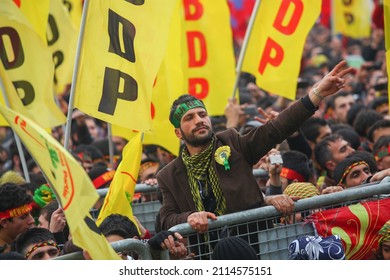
(17, 139)
(244, 46)
(75, 73)
(59, 106)
(332, 18)
(110, 145)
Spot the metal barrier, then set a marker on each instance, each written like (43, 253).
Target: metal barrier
(146, 212)
(263, 229)
(132, 247)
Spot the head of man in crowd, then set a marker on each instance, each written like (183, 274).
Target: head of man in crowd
(329, 152)
(351, 172)
(378, 129)
(381, 151)
(192, 122)
(340, 104)
(315, 129)
(37, 244)
(295, 168)
(15, 213)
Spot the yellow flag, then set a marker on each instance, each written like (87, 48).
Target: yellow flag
(29, 66)
(120, 194)
(386, 11)
(75, 9)
(37, 13)
(125, 133)
(209, 63)
(120, 55)
(68, 179)
(276, 44)
(62, 42)
(167, 87)
(352, 18)
(11, 95)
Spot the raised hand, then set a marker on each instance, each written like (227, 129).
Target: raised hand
(331, 83)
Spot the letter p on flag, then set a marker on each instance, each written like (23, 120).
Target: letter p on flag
(276, 43)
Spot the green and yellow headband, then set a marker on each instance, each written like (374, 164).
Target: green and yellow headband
(384, 233)
(348, 170)
(182, 109)
(382, 153)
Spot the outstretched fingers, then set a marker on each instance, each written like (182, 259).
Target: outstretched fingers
(341, 65)
(341, 69)
(345, 72)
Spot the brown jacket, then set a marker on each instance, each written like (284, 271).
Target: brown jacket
(238, 184)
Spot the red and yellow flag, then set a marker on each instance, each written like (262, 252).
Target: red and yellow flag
(276, 44)
(29, 65)
(68, 179)
(120, 194)
(352, 18)
(62, 42)
(209, 62)
(121, 52)
(357, 225)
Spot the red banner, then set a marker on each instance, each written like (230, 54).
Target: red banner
(357, 225)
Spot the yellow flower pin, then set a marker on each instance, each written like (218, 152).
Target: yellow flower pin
(222, 155)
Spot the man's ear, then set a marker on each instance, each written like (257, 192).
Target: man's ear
(178, 133)
(330, 165)
(312, 145)
(3, 223)
(380, 165)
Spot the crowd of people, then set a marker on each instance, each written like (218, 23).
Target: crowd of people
(334, 136)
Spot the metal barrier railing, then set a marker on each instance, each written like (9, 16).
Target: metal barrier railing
(263, 229)
(144, 188)
(146, 212)
(271, 239)
(131, 246)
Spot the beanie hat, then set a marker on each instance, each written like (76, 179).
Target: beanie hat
(43, 195)
(233, 248)
(309, 247)
(303, 190)
(12, 177)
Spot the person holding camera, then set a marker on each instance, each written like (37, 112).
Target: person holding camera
(213, 174)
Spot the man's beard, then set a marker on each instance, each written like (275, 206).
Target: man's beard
(198, 141)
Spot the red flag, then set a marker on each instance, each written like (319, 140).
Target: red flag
(357, 225)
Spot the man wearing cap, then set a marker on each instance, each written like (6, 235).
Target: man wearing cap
(213, 175)
(15, 217)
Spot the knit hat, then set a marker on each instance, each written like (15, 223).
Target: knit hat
(309, 247)
(12, 177)
(233, 248)
(43, 195)
(302, 190)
